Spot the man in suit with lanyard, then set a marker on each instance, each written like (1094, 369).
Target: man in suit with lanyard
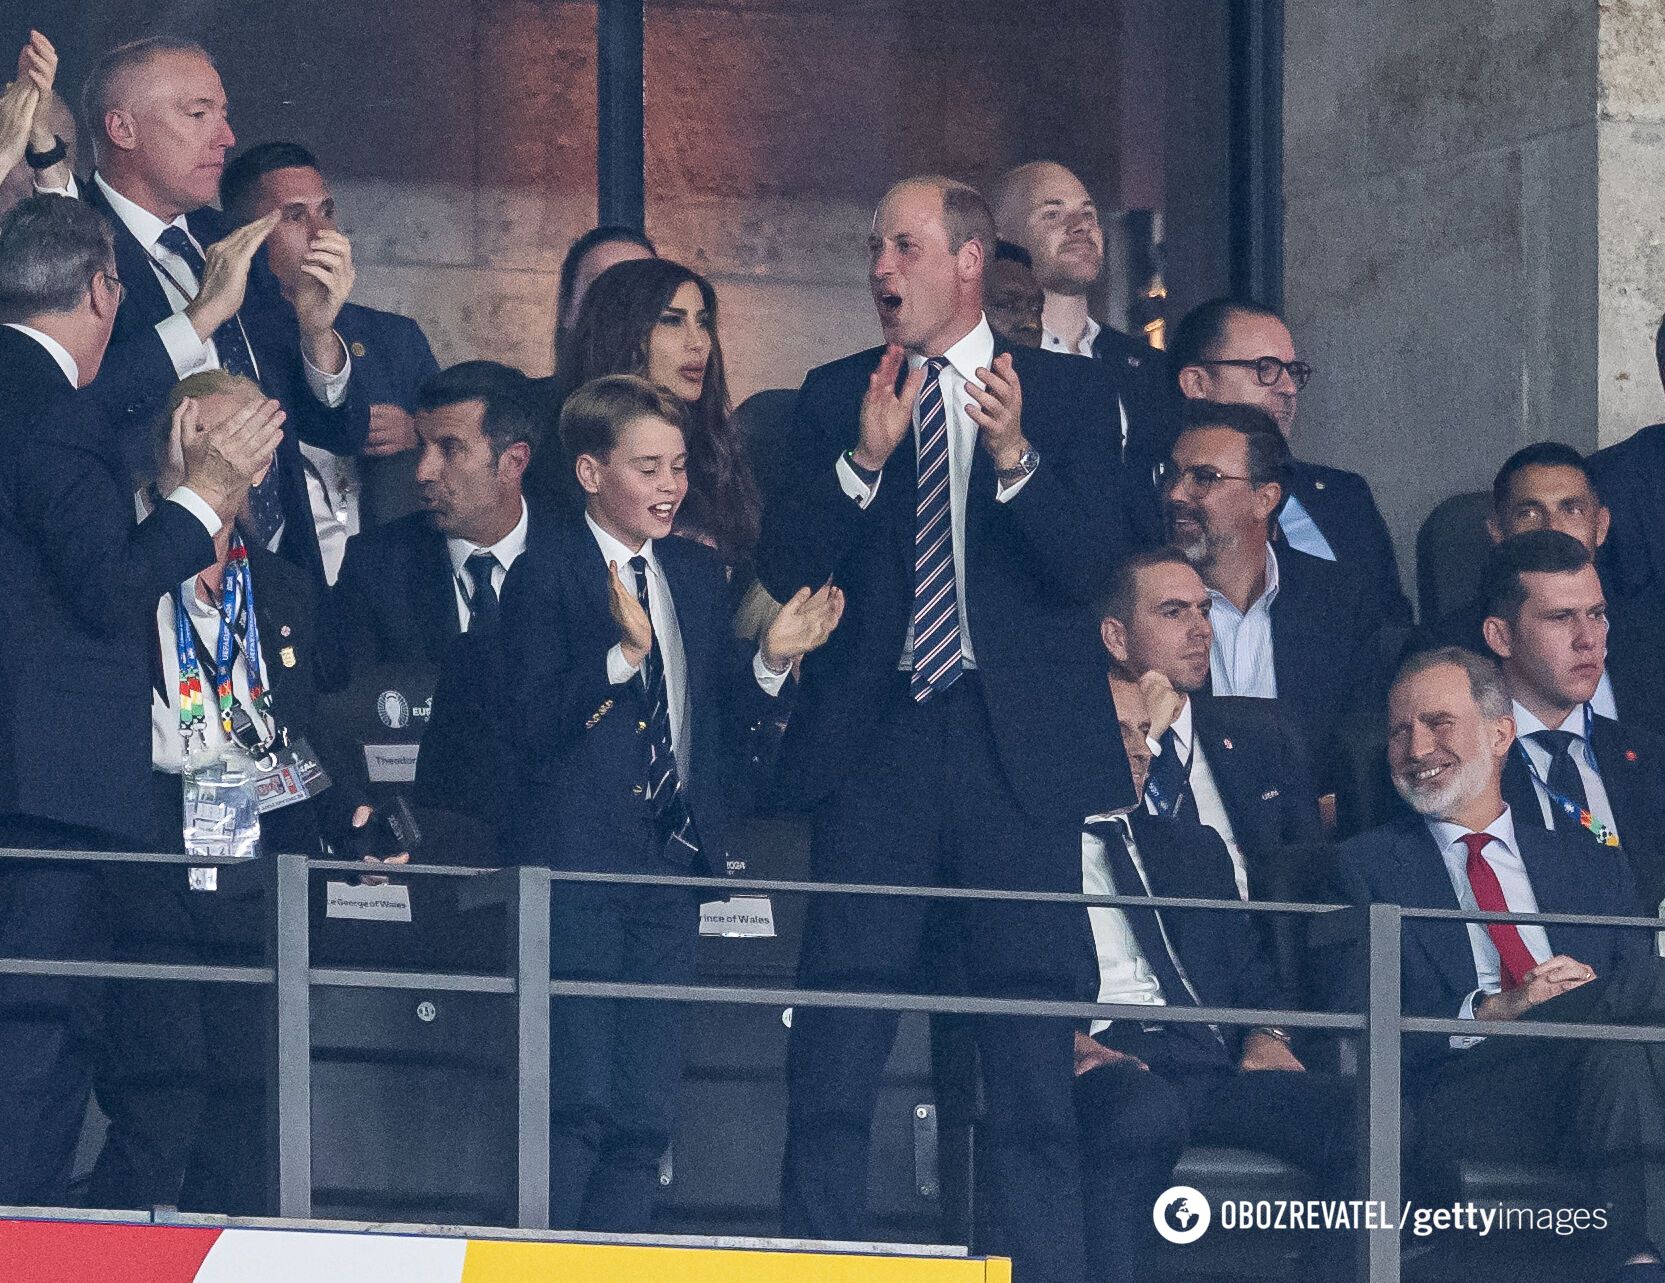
(1571, 768)
(81, 581)
(954, 730)
(197, 296)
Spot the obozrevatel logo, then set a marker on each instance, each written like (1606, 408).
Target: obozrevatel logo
(1182, 1214)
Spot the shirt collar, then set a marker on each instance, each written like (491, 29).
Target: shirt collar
(1527, 723)
(1182, 731)
(1268, 595)
(1053, 343)
(614, 550)
(147, 229)
(55, 349)
(505, 549)
(972, 353)
(1447, 834)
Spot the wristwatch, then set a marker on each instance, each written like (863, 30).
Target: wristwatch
(867, 476)
(46, 159)
(1027, 462)
(1272, 1031)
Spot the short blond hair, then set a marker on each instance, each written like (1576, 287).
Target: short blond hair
(194, 387)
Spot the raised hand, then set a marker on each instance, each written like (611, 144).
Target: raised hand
(392, 431)
(222, 461)
(17, 115)
(997, 410)
(635, 628)
(804, 623)
(225, 275)
(886, 416)
(327, 278)
(1164, 702)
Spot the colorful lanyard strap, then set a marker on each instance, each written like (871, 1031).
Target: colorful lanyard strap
(1566, 805)
(237, 616)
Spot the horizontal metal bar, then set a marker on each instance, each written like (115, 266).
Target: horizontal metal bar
(350, 978)
(135, 971)
(1542, 919)
(120, 857)
(1532, 1029)
(955, 1004)
(400, 870)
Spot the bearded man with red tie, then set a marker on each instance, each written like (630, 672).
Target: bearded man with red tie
(1593, 1106)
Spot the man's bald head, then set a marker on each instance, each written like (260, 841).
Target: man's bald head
(1045, 208)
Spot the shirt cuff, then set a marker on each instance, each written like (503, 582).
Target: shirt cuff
(619, 669)
(198, 507)
(854, 486)
(1461, 1042)
(188, 353)
(768, 681)
(331, 389)
(70, 189)
(1003, 493)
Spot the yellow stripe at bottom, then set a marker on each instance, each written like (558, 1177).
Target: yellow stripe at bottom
(497, 1262)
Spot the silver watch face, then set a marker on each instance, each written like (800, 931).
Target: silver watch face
(1029, 460)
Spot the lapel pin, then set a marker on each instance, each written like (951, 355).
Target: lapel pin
(1630, 755)
(287, 655)
(284, 631)
(1317, 485)
(357, 348)
(1225, 743)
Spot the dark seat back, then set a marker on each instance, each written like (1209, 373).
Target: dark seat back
(1451, 546)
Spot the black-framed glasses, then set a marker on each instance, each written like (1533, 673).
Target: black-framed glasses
(1199, 479)
(1268, 369)
(115, 281)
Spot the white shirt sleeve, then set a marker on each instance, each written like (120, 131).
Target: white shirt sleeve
(198, 507)
(71, 189)
(188, 353)
(331, 389)
(1003, 493)
(769, 681)
(619, 669)
(854, 486)
(1462, 1042)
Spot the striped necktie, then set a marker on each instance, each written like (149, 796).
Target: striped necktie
(675, 823)
(936, 599)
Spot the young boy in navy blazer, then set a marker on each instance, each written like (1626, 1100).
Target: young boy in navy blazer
(624, 688)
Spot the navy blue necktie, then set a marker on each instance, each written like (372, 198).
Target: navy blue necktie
(232, 345)
(482, 602)
(1148, 929)
(664, 784)
(936, 600)
(1564, 777)
(1168, 784)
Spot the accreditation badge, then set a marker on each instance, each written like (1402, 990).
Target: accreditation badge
(221, 813)
(294, 774)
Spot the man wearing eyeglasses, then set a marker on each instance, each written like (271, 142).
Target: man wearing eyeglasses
(1287, 625)
(1241, 353)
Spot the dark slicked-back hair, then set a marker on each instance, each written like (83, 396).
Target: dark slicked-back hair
(513, 412)
(1119, 598)
(50, 249)
(607, 234)
(96, 93)
(1541, 454)
(1485, 678)
(1536, 552)
(1199, 332)
(241, 176)
(1269, 457)
(594, 414)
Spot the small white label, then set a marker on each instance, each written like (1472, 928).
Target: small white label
(371, 904)
(743, 915)
(391, 763)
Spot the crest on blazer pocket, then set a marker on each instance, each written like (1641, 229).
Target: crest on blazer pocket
(1268, 795)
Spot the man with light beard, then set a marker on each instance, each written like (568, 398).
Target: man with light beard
(1287, 625)
(1594, 1105)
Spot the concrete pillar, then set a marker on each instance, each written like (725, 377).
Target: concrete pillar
(1473, 235)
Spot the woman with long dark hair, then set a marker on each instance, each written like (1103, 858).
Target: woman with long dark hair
(658, 319)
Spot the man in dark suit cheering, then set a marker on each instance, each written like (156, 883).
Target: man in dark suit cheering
(197, 296)
(954, 730)
(81, 581)
(1571, 768)
(1597, 1105)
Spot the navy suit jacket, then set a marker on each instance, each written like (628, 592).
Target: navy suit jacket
(393, 601)
(1630, 478)
(1148, 393)
(80, 581)
(137, 374)
(1399, 863)
(1034, 568)
(1223, 956)
(1631, 761)
(579, 742)
(1344, 510)
(391, 360)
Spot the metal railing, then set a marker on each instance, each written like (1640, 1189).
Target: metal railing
(526, 892)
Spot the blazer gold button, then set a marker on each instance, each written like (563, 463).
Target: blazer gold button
(636, 789)
(1317, 485)
(641, 726)
(357, 349)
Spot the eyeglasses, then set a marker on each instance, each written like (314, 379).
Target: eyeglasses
(1199, 480)
(116, 283)
(1268, 369)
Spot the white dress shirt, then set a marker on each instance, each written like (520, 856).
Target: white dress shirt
(1053, 343)
(1503, 854)
(188, 353)
(332, 490)
(1204, 793)
(1595, 792)
(1241, 659)
(505, 550)
(975, 351)
(1123, 973)
(662, 615)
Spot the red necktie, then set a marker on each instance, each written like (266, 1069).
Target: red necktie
(1512, 952)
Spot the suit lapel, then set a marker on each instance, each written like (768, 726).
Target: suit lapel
(1621, 769)
(432, 595)
(145, 300)
(1426, 884)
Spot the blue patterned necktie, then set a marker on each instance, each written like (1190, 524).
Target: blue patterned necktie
(665, 796)
(1564, 777)
(1167, 785)
(232, 345)
(936, 600)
